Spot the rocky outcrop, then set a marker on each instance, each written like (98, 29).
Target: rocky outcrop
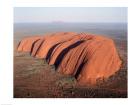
(88, 57)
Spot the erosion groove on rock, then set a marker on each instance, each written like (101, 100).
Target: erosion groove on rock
(88, 57)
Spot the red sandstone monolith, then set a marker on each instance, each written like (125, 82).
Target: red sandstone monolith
(88, 57)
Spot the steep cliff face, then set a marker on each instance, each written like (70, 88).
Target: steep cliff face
(85, 56)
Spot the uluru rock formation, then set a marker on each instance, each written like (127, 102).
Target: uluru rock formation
(88, 57)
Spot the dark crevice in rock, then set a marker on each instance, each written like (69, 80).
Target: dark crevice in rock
(79, 69)
(38, 47)
(64, 52)
(48, 55)
(33, 46)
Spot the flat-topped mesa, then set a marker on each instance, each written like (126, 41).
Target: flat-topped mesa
(85, 56)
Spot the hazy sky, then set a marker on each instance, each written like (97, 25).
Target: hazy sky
(70, 14)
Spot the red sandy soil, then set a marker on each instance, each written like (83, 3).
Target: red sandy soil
(33, 77)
